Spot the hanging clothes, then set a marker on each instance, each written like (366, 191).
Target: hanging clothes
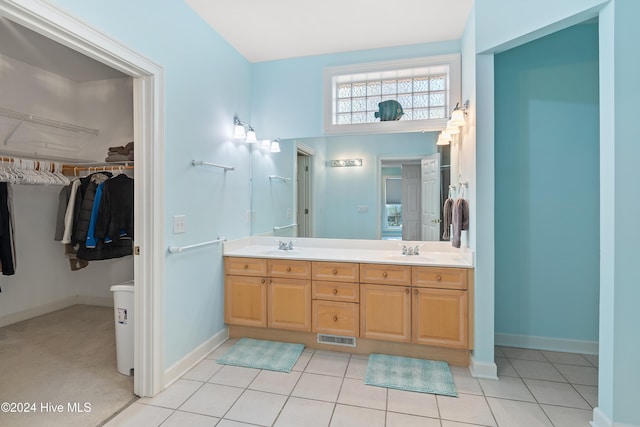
(7, 242)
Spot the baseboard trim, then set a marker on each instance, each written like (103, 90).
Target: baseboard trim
(9, 319)
(484, 370)
(182, 366)
(99, 301)
(601, 420)
(546, 343)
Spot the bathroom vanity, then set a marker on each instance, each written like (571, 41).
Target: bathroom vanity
(360, 296)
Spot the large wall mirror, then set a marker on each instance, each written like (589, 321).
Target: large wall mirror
(379, 186)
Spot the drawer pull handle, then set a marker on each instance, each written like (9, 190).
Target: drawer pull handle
(288, 269)
(335, 291)
(406, 291)
(335, 271)
(335, 318)
(384, 274)
(244, 267)
(415, 291)
(438, 277)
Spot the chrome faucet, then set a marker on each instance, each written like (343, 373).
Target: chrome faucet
(283, 246)
(408, 250)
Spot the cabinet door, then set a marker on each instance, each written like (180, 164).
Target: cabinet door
(385, 312)
(290, 304)
(245, 301)
(440, 317)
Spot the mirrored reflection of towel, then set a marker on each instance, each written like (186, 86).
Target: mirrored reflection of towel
(446, 213)
(460, 220)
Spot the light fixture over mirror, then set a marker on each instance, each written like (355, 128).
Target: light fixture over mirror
(456, 121)
(248, 134)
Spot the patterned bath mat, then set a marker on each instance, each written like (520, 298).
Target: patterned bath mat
(260, 354)
(405, 373)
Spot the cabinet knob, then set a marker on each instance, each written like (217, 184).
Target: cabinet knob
(335, 318)
(415, 292)
(288, 269)
(335, 291)
(335, 271)
(438, 277)
(270, 281)
(384, 274)
(244, 267)
(263, 281)
(406, 291)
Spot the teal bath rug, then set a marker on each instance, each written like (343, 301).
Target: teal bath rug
(260, 354)
(405, 373)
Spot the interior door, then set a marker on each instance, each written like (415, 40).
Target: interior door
(431, 197)
(411, 205)
(304, 197)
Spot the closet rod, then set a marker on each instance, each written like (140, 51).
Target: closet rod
(45, 122)
(73, 170)
(176, 249)
(215, 165)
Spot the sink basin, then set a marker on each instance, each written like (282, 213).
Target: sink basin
(409, 258)
(279, 252)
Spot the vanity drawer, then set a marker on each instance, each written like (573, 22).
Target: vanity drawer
(336, 318)
(440, 277)
(239, 266)
(335, 291)
(335, 271)
(289, 268)
(385, 274)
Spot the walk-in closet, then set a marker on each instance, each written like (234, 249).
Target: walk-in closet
(64, 118)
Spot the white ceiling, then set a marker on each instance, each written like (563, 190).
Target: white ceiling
(27, 46)
(276, 29)
(273, 29)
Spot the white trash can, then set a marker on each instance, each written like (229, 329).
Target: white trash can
(123, 311)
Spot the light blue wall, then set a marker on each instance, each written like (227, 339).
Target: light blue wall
(619, 393)
(287, 96)
(338, 192)
(206, 83)
(547, 187)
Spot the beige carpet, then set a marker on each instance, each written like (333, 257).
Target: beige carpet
(63, 358)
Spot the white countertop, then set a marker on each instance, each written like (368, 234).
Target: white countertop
(440, 254)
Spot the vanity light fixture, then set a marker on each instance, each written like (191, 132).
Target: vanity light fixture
(458, 115)
(248, 135)
(444, 138)
(346, 163)
(275, 145)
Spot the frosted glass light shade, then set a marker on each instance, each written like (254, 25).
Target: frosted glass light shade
(275, 147)
(251, 137)
(457, 118)
(239, 132)
(265, 143)
(442, 141)
(452, 129)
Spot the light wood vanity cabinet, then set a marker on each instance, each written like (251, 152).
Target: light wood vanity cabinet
(268, 293)
(336, 297)
(422, 305)
(431, 306)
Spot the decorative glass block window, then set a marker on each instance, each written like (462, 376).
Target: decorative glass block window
(426, 88)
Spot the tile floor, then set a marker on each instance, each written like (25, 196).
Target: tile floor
(536, 388)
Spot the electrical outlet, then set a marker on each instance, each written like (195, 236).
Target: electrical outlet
(289, 213)
(250, 216)
(363, 209)
(179, 224)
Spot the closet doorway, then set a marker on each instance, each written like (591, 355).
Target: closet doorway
(148, 259)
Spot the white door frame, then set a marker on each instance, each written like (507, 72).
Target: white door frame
(148, 107)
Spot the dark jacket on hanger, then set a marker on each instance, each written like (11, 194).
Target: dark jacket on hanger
(85, 197)
(115, 218)
(6, 245)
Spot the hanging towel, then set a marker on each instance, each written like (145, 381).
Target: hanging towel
(460, 220)
(446, 213)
